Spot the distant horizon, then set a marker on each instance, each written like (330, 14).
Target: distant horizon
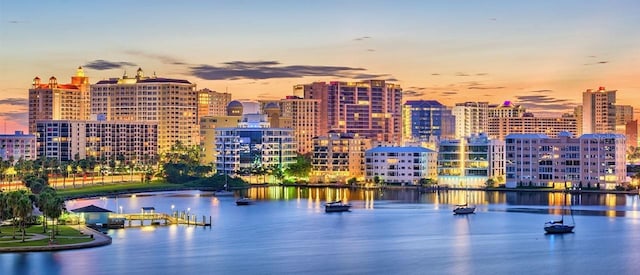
(541, 55)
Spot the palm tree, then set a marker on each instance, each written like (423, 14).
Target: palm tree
(51, 206)
(23, 209)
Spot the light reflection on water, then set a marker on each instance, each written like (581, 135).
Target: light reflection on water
(390, 232)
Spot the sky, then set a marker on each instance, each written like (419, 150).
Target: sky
(540, 54)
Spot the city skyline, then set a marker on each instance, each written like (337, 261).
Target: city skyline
(542, 55)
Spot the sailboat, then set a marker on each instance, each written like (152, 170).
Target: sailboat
(559, 226)
(464, 208)
(225, 192)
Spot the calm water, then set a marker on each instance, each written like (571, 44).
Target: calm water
(395, 232)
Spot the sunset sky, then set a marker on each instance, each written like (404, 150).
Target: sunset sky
(541, 54)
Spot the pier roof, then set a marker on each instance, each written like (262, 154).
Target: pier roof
(90, 209)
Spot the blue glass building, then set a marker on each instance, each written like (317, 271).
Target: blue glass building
(425, 119)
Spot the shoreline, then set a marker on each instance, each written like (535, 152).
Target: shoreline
(99, 239)
(392, 187)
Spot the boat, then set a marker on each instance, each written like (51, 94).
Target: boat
(336, 206)
(464, 209)
(244, 201)
(223, 193)
(559, 226)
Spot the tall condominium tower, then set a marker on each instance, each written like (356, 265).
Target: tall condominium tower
(598, 111)
(471, 118)
(424, 119)
(370, 108)
(59, 101)
(305, 117)
(172, 103)
(212, 103)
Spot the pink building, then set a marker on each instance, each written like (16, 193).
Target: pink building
(592, 160)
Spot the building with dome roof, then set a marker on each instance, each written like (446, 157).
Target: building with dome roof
(53, 100)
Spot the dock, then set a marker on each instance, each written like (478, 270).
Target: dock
(142, 219)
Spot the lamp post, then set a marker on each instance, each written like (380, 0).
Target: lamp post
(172, 206)
(121, 212)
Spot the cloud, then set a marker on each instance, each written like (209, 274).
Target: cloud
(371, 50)
(19, 106)
(234, 70)
(14, 101)
(102, 64)
(362, 38)
(435, 74)
(163, 58)
(486, 87)
(392, 79)
(481, 74)
(266, 96)
(412, 93)
(544, 102)
(449, 93)
(597, 63)
(541, 91)
(462, 74)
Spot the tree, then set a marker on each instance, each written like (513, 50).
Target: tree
(300, 169)
(23, 209)
(4, 207)
(51, 206)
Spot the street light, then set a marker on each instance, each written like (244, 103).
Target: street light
(121, 212)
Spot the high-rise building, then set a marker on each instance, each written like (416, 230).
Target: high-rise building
(371, 108)
(171, 103)
(624, 114)
(338, 157)
(471, 118)
(577, 113)
(500, 127)
(212, 103)
(59, 101)
(424, 119)
(18, 147)
(590, 161)
(631, 132)
(305, 117)
(598, 111)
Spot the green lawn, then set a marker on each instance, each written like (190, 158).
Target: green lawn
(67, 235)
(109, 189)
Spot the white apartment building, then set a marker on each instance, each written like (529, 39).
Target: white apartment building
(592, 160)
(471, 118)
(500, 127)
(170, 103)
(253, 144)
(403, 165)
(470, 162)
(598, 111)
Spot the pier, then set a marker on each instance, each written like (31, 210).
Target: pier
(149, 217)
